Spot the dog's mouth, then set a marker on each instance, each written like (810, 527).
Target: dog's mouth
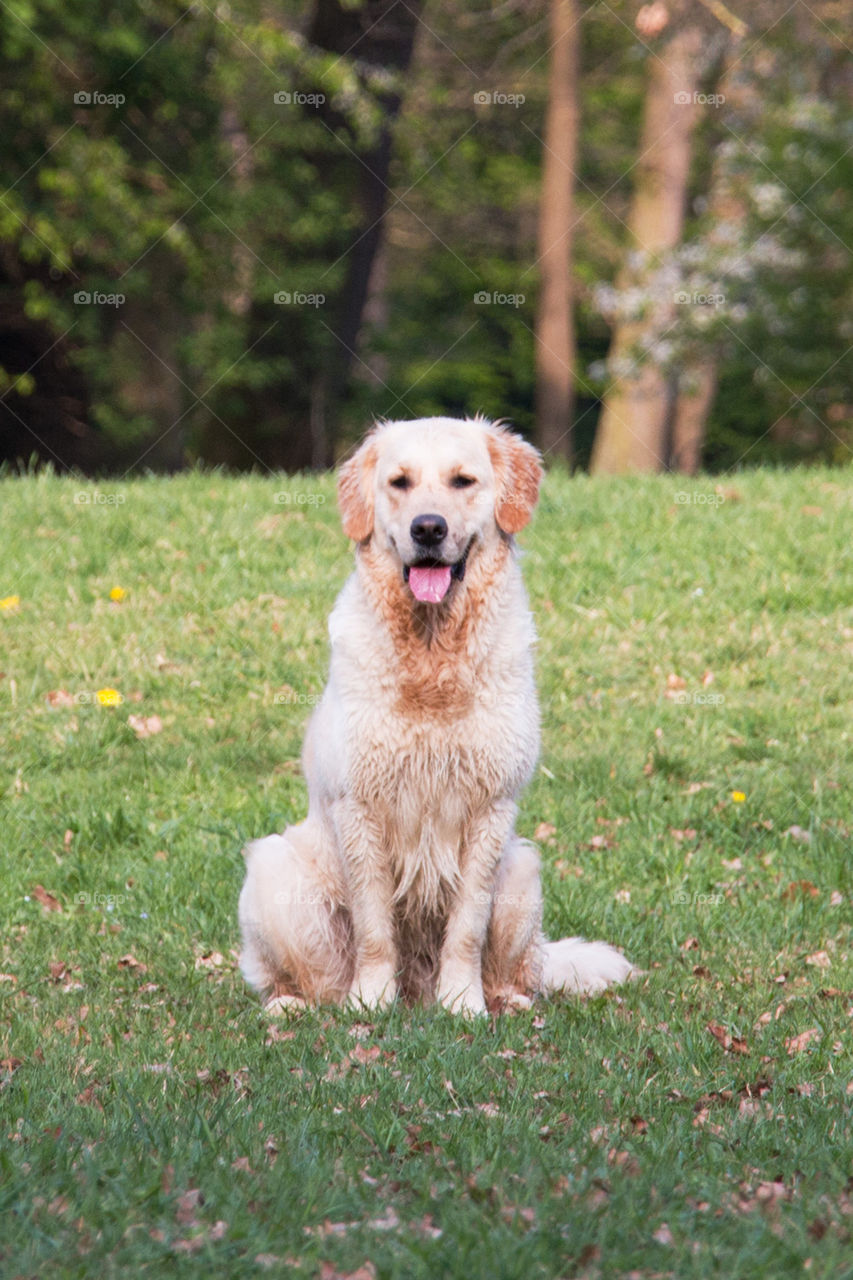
(429, 579)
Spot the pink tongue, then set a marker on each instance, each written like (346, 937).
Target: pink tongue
(429, 585)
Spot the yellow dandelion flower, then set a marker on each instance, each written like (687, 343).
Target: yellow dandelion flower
(109, 697)
(118, 593)
(738, 797)
(10, 602)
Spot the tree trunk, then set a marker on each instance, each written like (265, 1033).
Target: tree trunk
(697, 383)
(555, 334)
(697, 387)
(631, 433)
(382, 33)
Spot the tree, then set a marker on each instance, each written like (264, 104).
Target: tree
(633, 426)
(555, 334)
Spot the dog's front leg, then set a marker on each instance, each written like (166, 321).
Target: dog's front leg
(460, 977)
(371, 894)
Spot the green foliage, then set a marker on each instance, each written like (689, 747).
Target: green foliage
(191, 192)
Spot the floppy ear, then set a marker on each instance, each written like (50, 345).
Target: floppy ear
(518, 474)
(355, 492)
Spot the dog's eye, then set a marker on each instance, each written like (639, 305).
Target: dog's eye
(462, 482)
(400, 482)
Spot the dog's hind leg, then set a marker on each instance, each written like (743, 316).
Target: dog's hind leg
(513, 953)
(519, 962)
(297, 936)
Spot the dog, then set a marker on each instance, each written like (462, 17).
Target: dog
(407, 878)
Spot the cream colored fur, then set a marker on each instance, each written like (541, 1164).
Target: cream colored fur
(407, 877)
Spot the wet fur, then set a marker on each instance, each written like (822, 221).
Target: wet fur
(407, 877)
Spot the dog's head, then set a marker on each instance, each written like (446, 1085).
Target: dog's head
(432, 492)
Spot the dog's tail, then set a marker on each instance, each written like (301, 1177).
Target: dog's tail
(584, 968)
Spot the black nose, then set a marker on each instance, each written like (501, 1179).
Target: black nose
(428, 531)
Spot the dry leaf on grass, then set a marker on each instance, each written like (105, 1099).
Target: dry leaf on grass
(731, 1044)
(329, 1271)
(46, 899)
(819, 960)
(797, 1044)
(800, 889)
(61, 698)
(145, 726)
(185, 1212)
(798, 833)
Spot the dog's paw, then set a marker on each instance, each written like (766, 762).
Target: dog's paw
(373, 990)
(509, 1000)
(283, 1006)
(467, 1000)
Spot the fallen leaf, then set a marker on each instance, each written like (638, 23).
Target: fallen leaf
(46, 899)
(796, 1044)
(145, 726)
(131, 962)
(819, 960)
(329, 1271)
(363, 1054)
(798, 833)
(602, 842)
(730, 1043)
(545, 832)
(61, 698)
(800, 889)
(387, 1222)
(187, 1205)
(663, 1235)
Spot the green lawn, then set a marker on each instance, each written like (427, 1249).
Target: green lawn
(693, 805)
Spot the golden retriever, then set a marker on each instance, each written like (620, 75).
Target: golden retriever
(407, 877)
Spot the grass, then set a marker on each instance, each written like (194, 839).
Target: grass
(153, 1123)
